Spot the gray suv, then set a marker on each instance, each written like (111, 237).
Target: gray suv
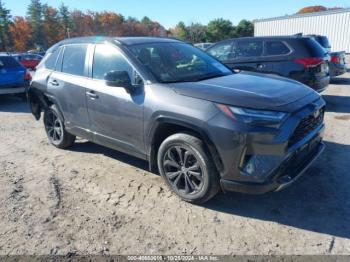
(197, 123)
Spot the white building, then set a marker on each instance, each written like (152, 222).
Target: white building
(333, 24)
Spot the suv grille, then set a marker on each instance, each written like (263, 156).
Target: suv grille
(305, 126)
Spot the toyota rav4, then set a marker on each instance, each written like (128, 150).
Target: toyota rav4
(197, 123)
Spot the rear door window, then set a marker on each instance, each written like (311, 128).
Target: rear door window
(276, 48)
(106, 59)
(74, 60)
(248, 48)
(50, 61)
(222, 51)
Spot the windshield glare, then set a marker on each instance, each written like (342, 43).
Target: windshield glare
(178, 62)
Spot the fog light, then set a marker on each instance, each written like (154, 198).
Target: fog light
(260, 165)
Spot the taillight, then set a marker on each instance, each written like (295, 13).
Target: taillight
(27, 76)
(335, 59)
(309, 61)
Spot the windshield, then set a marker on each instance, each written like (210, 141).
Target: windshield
(178, 62)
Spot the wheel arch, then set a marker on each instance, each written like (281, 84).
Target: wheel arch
(167, 126)
(40, 101)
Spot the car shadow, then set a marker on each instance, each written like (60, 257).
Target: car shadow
(12, 103)
(89, 147)
(319, 201)
(337, 104)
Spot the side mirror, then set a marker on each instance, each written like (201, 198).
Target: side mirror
(118, 79)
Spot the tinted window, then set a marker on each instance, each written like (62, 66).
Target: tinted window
(17, 57)
(50, 60)
(323, 41)
(107, 58)
(74, 59)
(222, 51)
(33, 57)
(29, 57)
(314, 49)
(276, 48)
(248, 48)
(8, 61)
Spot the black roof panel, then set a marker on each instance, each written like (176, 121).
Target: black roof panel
(144, 40)
(121, 40)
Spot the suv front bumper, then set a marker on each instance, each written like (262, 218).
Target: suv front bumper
(292, 167)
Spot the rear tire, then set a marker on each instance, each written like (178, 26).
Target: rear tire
(188, 169)
(55, 130)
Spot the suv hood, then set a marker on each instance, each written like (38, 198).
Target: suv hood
(251, 90)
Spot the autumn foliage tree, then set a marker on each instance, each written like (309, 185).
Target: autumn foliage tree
(51, 25)
(45, 25)
(83, 23)
(312, 9)
(20, 32)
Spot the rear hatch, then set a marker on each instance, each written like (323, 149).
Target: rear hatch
(318, 59)
(323, 41)
(11, 72)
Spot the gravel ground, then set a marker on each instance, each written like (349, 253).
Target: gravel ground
(92, 200)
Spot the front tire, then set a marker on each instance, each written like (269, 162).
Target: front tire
(187, 168)
(55, 130)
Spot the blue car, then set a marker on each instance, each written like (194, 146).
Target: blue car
(14, 78)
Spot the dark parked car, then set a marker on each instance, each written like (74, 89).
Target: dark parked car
(296, 57)
(14, 78)
(337, 65)
(201, 125)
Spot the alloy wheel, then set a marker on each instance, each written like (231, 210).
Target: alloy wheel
(183, 170)
(54, 127)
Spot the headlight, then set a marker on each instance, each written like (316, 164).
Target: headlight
(252, 116)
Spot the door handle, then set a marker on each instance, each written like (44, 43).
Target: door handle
(92, 94)
(54, 82)
(260, 66)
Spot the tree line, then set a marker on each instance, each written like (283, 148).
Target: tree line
(216, 30)
(45, 25)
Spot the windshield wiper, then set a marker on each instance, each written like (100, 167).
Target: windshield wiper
(194, 79)
(176, 81)
(209, 76)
